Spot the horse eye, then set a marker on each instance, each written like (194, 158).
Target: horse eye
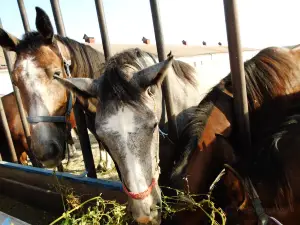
(150, 91)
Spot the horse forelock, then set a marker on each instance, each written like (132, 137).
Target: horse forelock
(116, 84)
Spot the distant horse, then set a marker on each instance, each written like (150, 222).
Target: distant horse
(17, 132)
(40, 56)
(130, 116)
(270, 167)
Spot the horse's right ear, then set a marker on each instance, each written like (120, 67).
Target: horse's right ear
(43, 25)
(8, 41)
(155, 74)
(84, 87)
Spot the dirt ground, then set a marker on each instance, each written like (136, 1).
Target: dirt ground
(76, 163)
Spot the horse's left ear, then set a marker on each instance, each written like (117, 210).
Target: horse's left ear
(235, 187)
(154, 74)
(43, 25)
(8, 41)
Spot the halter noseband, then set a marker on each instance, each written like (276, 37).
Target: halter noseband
(249, 189)
(141, 195)
(58, 119)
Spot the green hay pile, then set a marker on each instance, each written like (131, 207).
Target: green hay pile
(111, 212)
(108, 212)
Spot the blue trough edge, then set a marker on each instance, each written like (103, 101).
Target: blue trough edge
(111, 185)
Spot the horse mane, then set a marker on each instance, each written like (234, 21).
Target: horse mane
(115, 85)
(269, 74)
(85, 59)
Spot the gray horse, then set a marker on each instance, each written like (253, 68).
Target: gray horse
(130, 115)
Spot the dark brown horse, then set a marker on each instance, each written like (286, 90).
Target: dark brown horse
(39, 56)
(16, 130)
(270, 167)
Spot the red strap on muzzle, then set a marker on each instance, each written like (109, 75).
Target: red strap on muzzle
(140, 195)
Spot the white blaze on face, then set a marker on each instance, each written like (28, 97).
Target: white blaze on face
(35, 81)
(123, 123)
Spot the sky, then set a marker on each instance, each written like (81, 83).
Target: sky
(262, 23)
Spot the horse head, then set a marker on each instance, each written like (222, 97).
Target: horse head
(128, 114)
(40, 56)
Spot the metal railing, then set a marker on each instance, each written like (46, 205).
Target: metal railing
(236, 65)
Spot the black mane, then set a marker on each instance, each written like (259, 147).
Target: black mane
(85, 59)
(116, 87)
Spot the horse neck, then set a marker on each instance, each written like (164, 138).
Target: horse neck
(197, 147)
(85, 60)
(185, 98)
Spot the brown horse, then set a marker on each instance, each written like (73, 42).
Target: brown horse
(39, 56)
(16, 130)
(270, 167)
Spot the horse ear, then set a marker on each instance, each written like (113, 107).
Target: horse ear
(8, 41)
(235, 187)
(43, 25)
(83, 87)
(154, 74)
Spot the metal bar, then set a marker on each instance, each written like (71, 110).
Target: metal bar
(79, 114)
(33, 160)
(105, 40)
(8, 134)
(45, 182)
(84, 141)
(237, 72)
(103, 28)
(58, 17)
(172, 126)
(24, 16)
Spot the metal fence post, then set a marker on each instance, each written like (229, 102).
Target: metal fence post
(103, 28)
(79, 114)
(24, 16)
(105, 39)
(237, 72)
(162, 56)
(8, 134)
(58, 18)
(17, 94)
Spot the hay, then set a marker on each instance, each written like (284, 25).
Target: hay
(111, 212)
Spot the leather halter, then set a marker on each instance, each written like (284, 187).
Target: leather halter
(58, 119)
(140, 195)
(250, 190)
